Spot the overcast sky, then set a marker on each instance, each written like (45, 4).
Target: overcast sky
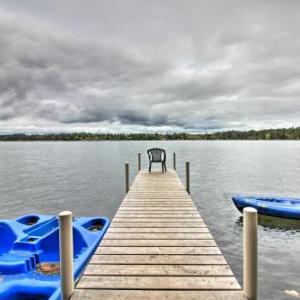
(145, 65)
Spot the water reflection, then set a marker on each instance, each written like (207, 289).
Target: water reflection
(273, 223)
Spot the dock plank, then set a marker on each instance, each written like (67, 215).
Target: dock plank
(156, 208)
(158, 219)
(92, 294)
(156, 283)
(159, 250)
(156, 224)
(158, 236)
(155, 215)
(159, 243)
(159, 270)
(152, 259)
(158, 230)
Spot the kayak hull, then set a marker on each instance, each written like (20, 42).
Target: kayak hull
(287, 208)
(29, 248)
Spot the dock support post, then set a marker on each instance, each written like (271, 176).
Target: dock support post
(250, 252)
(174, 161)
(139, 161)
(127, 177)
(66, 254)
(187, 176)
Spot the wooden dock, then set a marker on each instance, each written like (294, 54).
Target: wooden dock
(158, 247)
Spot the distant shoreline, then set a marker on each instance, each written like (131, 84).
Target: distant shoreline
(266, 134)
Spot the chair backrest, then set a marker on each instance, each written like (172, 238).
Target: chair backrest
(156, 154)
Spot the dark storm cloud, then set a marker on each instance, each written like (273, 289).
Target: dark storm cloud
(190, 65)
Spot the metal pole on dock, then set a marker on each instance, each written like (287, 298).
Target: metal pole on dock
(139, 161)
(66, 254)
(174, 161)
(127, 177)
(187, 176)
(250, 252)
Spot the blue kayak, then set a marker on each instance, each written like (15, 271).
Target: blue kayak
(29, 254)
(288, 208)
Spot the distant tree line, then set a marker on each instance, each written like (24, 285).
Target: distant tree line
(267, 134)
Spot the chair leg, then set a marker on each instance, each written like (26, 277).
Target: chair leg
(150, 163)
(162, 167)
(165, 167)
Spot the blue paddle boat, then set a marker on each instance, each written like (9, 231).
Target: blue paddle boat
(288, 208)
(29, 254)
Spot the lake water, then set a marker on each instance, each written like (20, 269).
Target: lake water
(88, 178)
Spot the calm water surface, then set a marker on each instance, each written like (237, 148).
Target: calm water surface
(87, 177)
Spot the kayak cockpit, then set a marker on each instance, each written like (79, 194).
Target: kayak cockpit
(280, 207)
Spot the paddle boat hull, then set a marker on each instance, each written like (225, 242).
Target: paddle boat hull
(288, 208)
(29, 254)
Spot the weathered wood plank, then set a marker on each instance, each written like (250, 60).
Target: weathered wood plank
(155, 215)
(158, 208)
(156, 283)
(170, 211)
(155, 204)
(158, 236)
(177, 216)
(145, 216)
(169, 205)
(162, 193)
(158, 230)
(158, 201)
(158, 212)
(156, 196)
(159, 220)
(162, 270)
(159, 250)
(157, 179)
(159, 197)
(159, 259)
(166, 188)
(155, 295)
(173, 199)
(156, 224)
(159, 243)
(158, 192)
(161, 187)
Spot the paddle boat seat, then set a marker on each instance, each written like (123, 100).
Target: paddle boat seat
(29, 254)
